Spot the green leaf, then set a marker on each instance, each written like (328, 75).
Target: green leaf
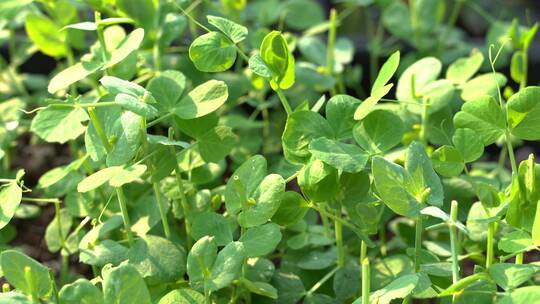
(342, 156)
(260, 288)
(212, 52)
(292, 209)
(232, 30)
(10, 198)
(126, 132)
(516, 67)
(200, 259)
(447, 161)
(423, 72)
(247, 177)
(290, 287)
(398, 289)
(479, 86)
(58, 228)
(215, 144)
(136, 106)
(167, 88)
(143, 12)
(515, 241)
(379, 131)
(524, 113)
(369, 103)
(393, 185)
(202, 100)
(73, 74)
(267, 199)
(261, 240)
(227, 266)
(212, 224)
(81, 291)
(386, 72)
(461, 70)
(123, 285)
(115, 85)
(46, 35)
(259, 67)
(59, 124)
(418, 165)
(319, 181)
(97, 179)
(301, 128)
(484, 116)
(14, 262)
(465, 140)
(276, 54)
(527, 294)
(182, 296)
(510, 276)
(130, 44)
(157, 259)
(346, 280)
(339, 114)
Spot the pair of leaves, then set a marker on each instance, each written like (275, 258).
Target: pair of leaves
(209, 270)
(59, 123)
(275, 61)
(82, 69)
(405, 190)
(10, 199)
(131, 96)
(450, 160)
(216, 51)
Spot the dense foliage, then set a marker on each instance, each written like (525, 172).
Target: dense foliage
(227, 152)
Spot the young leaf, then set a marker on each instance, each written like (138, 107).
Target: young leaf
(479, 86)
(45, 34)
(130, 44)
(115, 85)
(279, 59)
(232, 30)
(215, 144)
(447, 161)
(419, 166)
(127, 175)
(369, 103)
(301, 128)
(510, 276)
(319, 181)
(388, 70)
(59, 124)
(247, 177)
(524, 113)
(167, 88)
(200, 259)
(484, 116)
(81, 291)
(212, 224)
(515, 241)
(259, 67)
(212, 52)
(136, 106)
(465, 140)
(339, 114)
(227, 266)
(182, 296)
(423, 72)
(202, 100)
(73, 74)
(342, 156)
(10, 198)
(267, 199)
(461, 70)
(261, 240)
(379, 131)
(13, 264)
(123, 285)
(293, 207)
(97, 179)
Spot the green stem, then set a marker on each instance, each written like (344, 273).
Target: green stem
(158, 120)
(489, 247)
(64, 269)
(323, 280)
(99, 129)
(453, 242)
(5, 287)
(162, 211)
(40, 200)
(30, 281)
(339, 240)
(366, 280)
(101, 37)
(284, 101)
(183, 199)
(331, 42)
(418, 243)
(425, 116)
(125, 217)
(511, 155)
(524, 67)
(519, 258)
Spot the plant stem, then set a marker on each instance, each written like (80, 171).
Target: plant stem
(30, 281)
(425, 115)
(330, 48)
(511, 155)
(101, 37)
(323, 280)
(99, 129)
(40, 200)
(489, 249)
(366, 280)
(158, 120)
(162, 211)
(183, 199)
(339, 240)
(284, 101)
(125, 217)
(418, 243)
(453, 242)
(519, 258)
